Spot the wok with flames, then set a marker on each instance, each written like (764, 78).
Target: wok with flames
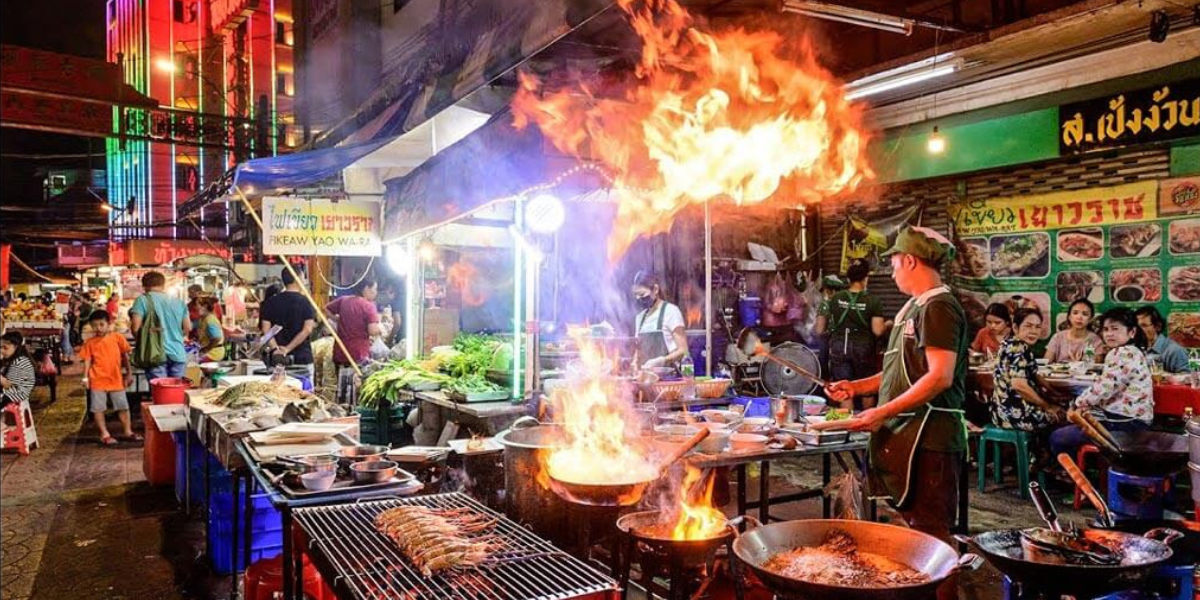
(649, 528)
(619, 493)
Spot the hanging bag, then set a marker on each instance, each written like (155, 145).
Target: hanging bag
(150, 350)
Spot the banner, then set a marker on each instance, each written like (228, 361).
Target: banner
(1130, 203)
(868, 239)
(321, 227)
(1119, 252)
(1156, 114)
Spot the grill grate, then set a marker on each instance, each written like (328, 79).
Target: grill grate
(370, 567)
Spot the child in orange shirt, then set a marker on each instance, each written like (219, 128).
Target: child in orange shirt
(106, 356)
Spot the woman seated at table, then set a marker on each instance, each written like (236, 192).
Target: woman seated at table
(1123, 396)
(996, 328)
(1069, 344)
(1016, 401)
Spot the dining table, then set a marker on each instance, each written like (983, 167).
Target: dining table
(1170, 399)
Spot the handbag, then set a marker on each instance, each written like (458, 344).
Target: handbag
(150, 350)
(47, 368)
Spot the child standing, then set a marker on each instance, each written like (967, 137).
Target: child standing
(106, 356)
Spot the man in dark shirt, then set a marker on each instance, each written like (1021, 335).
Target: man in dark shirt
(294, 314)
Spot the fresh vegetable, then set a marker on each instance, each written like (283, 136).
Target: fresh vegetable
(837, 414)
(470, 384)
(394, 376)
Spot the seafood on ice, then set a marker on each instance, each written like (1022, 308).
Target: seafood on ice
(438, 541)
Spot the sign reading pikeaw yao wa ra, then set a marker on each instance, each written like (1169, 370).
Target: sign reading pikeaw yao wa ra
(321, 227)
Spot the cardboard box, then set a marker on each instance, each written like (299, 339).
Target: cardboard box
(439, 328)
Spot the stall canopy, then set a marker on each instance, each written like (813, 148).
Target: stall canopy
(302, 168)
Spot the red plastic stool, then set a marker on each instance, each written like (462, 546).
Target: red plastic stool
(20, 432)
(1085, 451)
(264, 579)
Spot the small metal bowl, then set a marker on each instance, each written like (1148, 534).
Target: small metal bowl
(361, 453)
(317, 463)
(376, 471)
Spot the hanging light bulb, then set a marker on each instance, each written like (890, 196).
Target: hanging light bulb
(397, 259)
(427, 251)
(544, 214)
(936, 144)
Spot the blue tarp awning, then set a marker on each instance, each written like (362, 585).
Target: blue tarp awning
(302, 168)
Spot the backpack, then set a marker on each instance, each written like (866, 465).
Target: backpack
(150, 350)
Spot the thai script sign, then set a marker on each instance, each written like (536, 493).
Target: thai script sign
(321, 227)
(1149, 115)
(162, 252)
(1179, 196)
(1130, 203)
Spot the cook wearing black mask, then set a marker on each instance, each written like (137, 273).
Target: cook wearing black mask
(659, 325)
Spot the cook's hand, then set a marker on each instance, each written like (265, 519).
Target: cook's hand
(868, 420)
(840, 391)
(655, 362)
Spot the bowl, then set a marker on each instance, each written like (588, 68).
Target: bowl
(374, 471)
(717, 440)
(747, 442)
(755, 425)
(813, 405)
(713, 415)
(318, 481)
(363, 452)
(317, 463)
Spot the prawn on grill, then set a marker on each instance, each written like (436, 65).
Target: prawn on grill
(438, 540)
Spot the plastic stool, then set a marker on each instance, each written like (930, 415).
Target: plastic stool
(21, 433)
(1085, 451)
(264, 579)
(1020, 440)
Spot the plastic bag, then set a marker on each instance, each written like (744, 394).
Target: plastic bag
(379, 350)
(846, 492)
(47, 368)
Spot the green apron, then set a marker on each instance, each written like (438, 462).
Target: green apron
(892, 449)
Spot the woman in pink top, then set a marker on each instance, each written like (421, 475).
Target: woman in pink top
(357, 322)
(1069, 344)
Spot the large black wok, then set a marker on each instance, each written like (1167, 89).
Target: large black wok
(1149, 453)
(918, 550)
(1141, 556)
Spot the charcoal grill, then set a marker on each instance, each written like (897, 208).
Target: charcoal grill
(362, 564)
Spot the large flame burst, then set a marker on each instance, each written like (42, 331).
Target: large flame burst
(712, 115)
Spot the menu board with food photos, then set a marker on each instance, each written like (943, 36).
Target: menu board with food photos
(1127, 245)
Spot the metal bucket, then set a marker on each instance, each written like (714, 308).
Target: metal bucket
(1194, 471)
(526, 500)
(1193, 439)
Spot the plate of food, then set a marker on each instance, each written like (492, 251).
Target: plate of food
(1072, 285)
(1185, 236)
(972, 260)
(1025, 255)
(1141, 240)
(1184, 284)
(1081, 244)
(1184, 327)
(1136, 285)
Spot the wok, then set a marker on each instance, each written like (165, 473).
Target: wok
(1148, 453)
(918, 550)
(625, 493)
(1142, 554)
(641, 526)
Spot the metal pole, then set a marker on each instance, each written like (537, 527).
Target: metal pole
(320, 310)
(708, 284)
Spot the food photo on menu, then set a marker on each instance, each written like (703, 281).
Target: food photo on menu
(1184, 327)
(1016, 300)
(1135, 285)
(972, 259)
(1185, 236)
(974, 305)
(1021, 256)
(1072, 285)
(1141, 240)
(1080, 244)
(1184, 284)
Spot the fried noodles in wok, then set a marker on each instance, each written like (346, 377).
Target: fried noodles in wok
(839, 562)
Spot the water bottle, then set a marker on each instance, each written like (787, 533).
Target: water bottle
(1194, 367)
(688, 369)
(1089, 355)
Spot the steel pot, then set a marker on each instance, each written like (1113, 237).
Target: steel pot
(918, 550)
(1193, 439)
(526, 500)
(349, 455)
(374, 471)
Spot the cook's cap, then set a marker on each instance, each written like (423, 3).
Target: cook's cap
(833, 282)
(924, 243)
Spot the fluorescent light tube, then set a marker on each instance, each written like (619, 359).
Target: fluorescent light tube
(859, 89)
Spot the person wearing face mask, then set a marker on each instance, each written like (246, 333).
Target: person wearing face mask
(659, 325)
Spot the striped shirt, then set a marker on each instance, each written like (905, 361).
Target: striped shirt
(21, 377)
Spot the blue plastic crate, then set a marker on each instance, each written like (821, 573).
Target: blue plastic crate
(262, 545)
(190, 466)
(758, 406)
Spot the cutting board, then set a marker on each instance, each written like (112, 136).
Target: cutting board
(270, 451)
(300, 433)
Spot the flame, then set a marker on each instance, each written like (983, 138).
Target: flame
(463, 277)
(697, 519)
(598, 444)
(712, 115)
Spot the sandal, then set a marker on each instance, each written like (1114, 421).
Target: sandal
(108, 440)
(132, 438)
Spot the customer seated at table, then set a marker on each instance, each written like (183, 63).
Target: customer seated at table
(996, 328)
(1069, 344)
(1123, 396)
(1173, 357)
(1016, 400)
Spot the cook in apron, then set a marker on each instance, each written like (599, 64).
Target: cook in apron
(892, 449)
(652, 344)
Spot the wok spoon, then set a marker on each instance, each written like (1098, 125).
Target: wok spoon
(1081, 480)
